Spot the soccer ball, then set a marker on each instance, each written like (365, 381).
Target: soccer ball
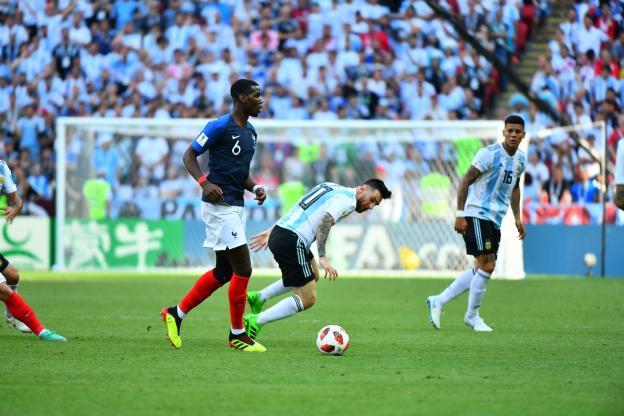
(589, 259)
(332, 340)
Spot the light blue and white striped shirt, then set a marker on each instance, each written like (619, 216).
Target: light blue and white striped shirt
(6, 181)
(490, 194)
(305, 216)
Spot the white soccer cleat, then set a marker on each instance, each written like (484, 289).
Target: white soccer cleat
(21, 326)
(435, 311)
(477, 324)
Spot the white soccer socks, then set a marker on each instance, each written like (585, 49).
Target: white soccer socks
(274, 289)
(477, 291)
(282, 309)
(459, 286)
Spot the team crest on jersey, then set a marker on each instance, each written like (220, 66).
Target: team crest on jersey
(201, 139)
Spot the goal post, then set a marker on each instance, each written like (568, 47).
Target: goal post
(147, 217)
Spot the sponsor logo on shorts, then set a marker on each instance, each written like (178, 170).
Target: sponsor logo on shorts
(488, 245)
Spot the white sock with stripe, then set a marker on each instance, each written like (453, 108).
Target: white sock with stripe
(477, 290)
(459, 286)
(282, 309)
(274, 289)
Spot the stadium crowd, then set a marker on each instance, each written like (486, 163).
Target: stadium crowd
(322, 60)
(581, 78)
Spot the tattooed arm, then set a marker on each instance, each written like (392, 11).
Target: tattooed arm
(619, 196)
(321, 239)
(14, 208)
(469, 178)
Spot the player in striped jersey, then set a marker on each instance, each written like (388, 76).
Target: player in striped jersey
(290, 239)
(488, 188)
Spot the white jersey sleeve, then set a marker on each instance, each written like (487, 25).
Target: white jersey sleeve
(7, 185)
(340, 207)
(483, 160)
(305, 216)
(619, 164)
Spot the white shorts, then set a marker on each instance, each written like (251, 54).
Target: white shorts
(225, 226)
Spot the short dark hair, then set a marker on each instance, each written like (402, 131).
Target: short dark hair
(242, 86)
(514, 119)
(379, 185)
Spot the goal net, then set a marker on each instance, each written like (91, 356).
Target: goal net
(125, 200)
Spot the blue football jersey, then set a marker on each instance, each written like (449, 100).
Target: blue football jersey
(231, 149)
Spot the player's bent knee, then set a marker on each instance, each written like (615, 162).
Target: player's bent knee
(243, 271)
(489, 267)
(223, 278)
(5, 291)
(309, 300)
(12, 275)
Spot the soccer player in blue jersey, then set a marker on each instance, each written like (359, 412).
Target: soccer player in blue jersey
(491, 183)
(290, 239)
(231, 142)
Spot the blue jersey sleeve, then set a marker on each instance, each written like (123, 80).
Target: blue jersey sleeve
(211, 134)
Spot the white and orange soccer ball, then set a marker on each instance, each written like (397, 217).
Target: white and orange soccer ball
(332, 340)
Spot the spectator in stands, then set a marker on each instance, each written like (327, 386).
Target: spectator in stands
(537, 169)
(27, 131)
(106, 159)
(152, 153)
(556, 189)
(587, 189)
(173, 185)
(589, 37)
(65, 54)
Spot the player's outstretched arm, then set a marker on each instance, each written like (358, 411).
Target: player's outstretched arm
(469, 178)
(321, 239)
(14, 208)
(515, 208)
(212, 191)
(260, 241)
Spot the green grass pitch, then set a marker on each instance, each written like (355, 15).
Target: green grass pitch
(557, 349)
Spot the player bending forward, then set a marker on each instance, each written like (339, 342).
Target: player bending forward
(18, 313)
(483, 199)
(290, 239)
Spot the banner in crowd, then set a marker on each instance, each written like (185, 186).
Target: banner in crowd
(356, 245)
(571, 214)
(123, 243)
(26, 242)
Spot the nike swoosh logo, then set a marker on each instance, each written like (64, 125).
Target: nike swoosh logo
(235, 137)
